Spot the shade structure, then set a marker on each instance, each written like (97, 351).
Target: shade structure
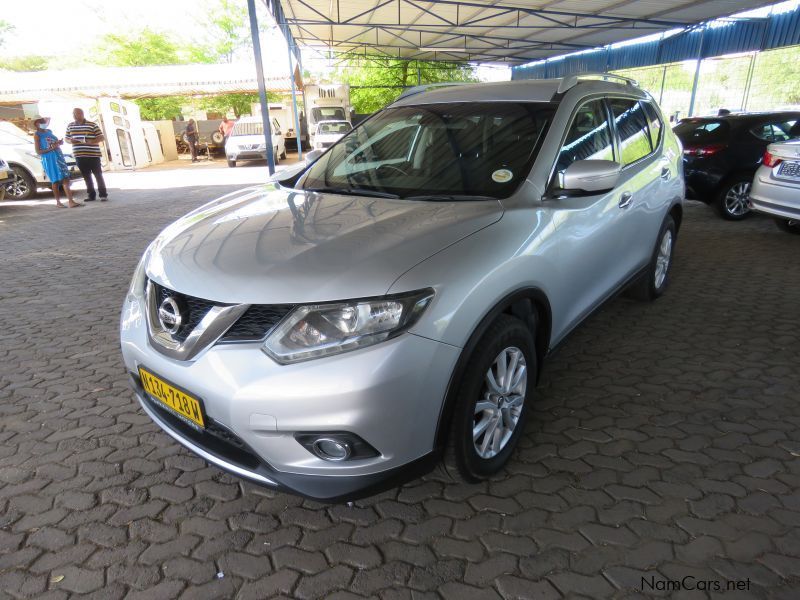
(139, 82)
(490, 31)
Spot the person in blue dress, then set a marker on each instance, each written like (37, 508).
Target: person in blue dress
(48, 147)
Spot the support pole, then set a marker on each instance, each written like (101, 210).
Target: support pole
(749, 82)
(262, 90)
(697, 73)
(294, 106)
(663, 81)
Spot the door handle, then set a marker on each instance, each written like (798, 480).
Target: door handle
(625, 200)
(666, 174)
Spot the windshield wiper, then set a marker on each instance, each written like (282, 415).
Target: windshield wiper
(352, 192)
(448, 197)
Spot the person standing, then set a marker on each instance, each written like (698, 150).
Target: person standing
(191, 138)
(85, 138)
(48, 147)
(226, 127)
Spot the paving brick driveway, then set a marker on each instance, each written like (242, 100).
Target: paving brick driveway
(664, 444)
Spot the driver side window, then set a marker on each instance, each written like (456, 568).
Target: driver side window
(588, 137)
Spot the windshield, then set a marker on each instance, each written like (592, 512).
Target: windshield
(475, 149)
(328, 113)
(248, 128)
(334, 127)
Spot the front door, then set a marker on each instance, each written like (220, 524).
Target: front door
(591, 228)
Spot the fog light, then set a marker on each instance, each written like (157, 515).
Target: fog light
(330, 449)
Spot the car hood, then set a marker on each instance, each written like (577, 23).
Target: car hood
(274, 245)
(328, 137)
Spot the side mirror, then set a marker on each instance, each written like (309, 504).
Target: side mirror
(591, 176)
(313, 156)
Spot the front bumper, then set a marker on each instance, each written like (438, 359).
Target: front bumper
(775, 196)
(390, 395)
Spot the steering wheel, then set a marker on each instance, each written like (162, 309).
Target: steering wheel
(392, 168)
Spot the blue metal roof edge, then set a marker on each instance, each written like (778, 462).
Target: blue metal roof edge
(718, 38)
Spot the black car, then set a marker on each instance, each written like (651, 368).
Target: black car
(722, 154)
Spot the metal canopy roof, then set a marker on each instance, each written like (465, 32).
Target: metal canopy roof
(488, 31)
(138, 82)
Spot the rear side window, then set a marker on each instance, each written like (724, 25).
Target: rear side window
(588, 137)
(655, 125)
(696, 132)
(634, 136)
(774, 132)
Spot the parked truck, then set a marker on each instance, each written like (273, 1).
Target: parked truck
(327, 103)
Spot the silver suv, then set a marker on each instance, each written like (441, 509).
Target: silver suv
(341, 329)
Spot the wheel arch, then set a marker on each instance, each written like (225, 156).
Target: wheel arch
(676, 212)
(532, 307)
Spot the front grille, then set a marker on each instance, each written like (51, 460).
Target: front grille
(195, 309)
(252, 326)
(257, 322)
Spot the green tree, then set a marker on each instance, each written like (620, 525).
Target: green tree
(224, 30)
(146, 47)
(5, 27)
(28, 62)
(377, 82)
(238, 103)
(157, 109)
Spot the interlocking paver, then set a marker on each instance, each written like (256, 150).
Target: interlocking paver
(663, 441)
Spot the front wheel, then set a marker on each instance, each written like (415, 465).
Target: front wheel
(22, 185)
(492, 402)
(231, 163)
(283, 154)
(788, 225)
(733, 199)
(654, 282)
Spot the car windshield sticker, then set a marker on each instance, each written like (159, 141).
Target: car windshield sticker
(502, 176)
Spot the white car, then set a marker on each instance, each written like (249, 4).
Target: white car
(27, 174)
(776, 187)
(327, 133)
(246, 141)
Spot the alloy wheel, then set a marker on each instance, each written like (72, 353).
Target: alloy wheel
(17, 187)
(737, 199)
(498, 410)
(663, 258)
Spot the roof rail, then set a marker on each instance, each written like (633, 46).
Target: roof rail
(571, 81)
(419, 89)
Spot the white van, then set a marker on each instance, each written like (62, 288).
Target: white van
(17, 149)
(246, 141)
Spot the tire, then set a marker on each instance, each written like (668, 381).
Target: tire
(231, 163)
(474, 458)
(217, 138)
(275, 156)
(788, 225)
(732, 198)
(22, 186)
(283, 154)
(654, 282)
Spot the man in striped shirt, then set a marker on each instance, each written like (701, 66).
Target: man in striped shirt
(85, 138)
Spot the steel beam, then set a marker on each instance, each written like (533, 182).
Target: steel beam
(262, 90)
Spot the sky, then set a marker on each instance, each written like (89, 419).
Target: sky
(95, 18)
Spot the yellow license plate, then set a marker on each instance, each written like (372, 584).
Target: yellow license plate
(3, 174)
(172, 397)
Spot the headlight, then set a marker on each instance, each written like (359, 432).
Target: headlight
(317, 330)
(136, 288)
